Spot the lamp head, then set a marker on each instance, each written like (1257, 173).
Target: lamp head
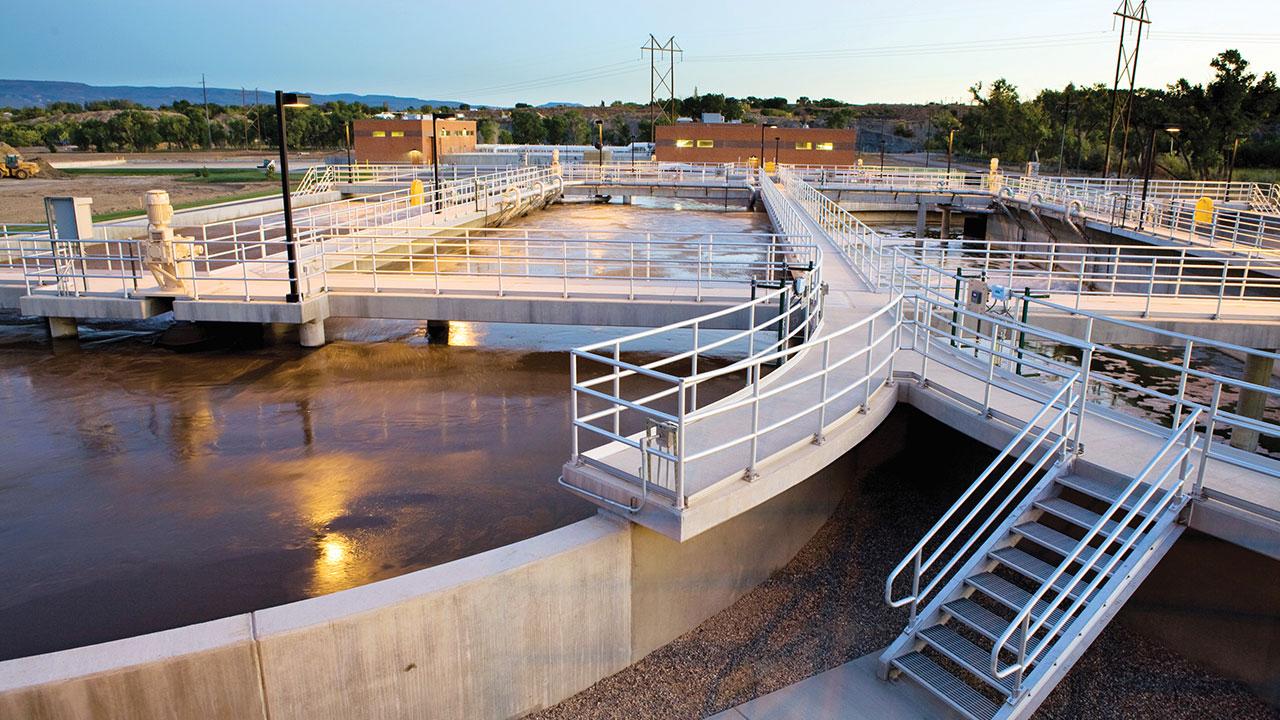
(294, 100)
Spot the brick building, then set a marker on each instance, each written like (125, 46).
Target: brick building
(735, 142)
(408, 140)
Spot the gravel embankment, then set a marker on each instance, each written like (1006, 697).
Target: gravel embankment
(825, 608)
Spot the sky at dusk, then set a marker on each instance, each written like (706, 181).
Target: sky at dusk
(503, 52)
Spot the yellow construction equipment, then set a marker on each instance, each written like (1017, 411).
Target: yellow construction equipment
(16, 167)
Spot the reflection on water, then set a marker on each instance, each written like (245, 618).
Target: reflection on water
(142, 489)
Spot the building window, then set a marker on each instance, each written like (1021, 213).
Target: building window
(706, 143)
(397, 133)
(684, 143)
(379, 133)
(826, 146)
(804, 145)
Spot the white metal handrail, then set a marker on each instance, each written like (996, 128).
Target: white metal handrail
(796, 317)
(943, 322)
(416, 259)
(863, 246)
(1063, 410)
(859, 342)
(638, 259)
(1171, 215)
(1120, 540)
(1074, 271)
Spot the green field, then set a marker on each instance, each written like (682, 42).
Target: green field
(214, 175)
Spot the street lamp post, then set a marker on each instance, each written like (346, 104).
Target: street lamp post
(762, 128)
(435, 165)
(777, 143)
(599, 155)
(1151, 166)
(600, 145)
(951, 139)
(288, 100)
(1231, 169)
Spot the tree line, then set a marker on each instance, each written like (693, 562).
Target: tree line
(1234, 117)
(123, 126)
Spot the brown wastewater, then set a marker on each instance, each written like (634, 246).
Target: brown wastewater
(143, 489)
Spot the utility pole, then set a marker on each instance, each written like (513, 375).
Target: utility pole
(1066, 119)
(244, 133)
(208, 131)
(1133, 16)
(662, 81)
(257, 115)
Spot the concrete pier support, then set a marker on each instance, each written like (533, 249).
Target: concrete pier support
(945, 230)
(63, 328)
(922, 221)
(438, 331)
(311, 334)
(1257, 370)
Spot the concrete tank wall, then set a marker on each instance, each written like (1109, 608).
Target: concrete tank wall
(494, 635)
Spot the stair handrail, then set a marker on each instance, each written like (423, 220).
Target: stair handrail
(1185, 435)
(1071, 401)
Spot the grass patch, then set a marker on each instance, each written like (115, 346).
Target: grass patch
(1258, 175)
(122, 214)
(207, 175)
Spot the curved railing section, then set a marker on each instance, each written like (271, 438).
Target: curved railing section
(646, 405)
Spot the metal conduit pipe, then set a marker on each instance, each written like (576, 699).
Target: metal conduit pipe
(1075, 207)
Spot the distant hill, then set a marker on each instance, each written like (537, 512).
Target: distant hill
(26, 93)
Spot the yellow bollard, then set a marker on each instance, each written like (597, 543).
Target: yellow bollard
(768, 166)
(1204, 211)
(415, 192)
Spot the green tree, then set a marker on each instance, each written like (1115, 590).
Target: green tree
(486, 131)
(619, 132)
(577, 131)
(527, 127)
(1212, 117)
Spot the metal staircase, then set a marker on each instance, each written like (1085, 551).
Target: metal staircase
(1265, 198)
(1033, 560)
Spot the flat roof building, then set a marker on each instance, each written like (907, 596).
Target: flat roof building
(733, 142)
(408, 140)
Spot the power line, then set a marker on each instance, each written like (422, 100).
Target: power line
(985, 45)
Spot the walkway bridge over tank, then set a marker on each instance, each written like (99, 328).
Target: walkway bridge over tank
(1099, 474)
(412, 253)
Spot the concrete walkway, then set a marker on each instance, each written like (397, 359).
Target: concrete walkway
(848, 692)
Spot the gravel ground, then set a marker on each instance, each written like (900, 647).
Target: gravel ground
(825, 608)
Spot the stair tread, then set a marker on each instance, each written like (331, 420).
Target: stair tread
(1033, 567)
(978, 618)
(1061, 543)
(951, 689)
(1103, 490)
(1073, 513)
(966, 654)
(1011, 596)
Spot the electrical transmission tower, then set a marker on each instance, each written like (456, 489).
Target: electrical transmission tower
(1133, 18)
(662, 81)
